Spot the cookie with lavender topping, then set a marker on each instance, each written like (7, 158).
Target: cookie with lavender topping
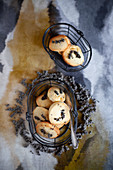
(40, 114)
(47, 130)
(59, 113)
(59, 43)
(68, 101)
(73, 55)
(43, 100)
(56, 94)
(60, 125)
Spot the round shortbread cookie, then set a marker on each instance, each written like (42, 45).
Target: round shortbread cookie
(59, 43)
(59, 125)
(59, 113)
(68, 101)
(40, 114)
(47, 130)
(73, 55)
(56, 94)
(43, 101)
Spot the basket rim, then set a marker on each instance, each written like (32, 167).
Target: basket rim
(71, 69)
(29, 117)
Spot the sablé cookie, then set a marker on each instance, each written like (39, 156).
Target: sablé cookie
(40, 114)
(56, 94)
(47, 130)
(73, 55)
(60, 125)
(59, 43)
(43, 101)
(59, 113)
(68, 101)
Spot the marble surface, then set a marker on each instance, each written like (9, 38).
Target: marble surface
(22, 24)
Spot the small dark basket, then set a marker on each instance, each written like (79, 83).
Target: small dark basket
(65, 134)
(76, 37)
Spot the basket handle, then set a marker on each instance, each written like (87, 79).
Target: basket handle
(80, 33)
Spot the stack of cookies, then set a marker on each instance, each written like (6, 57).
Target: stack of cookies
(52, 112)
(72, 54)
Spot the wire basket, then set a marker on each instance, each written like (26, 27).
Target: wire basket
(76, 38)
(65, 131)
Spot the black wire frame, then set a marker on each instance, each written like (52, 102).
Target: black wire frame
(46, 141)
(76, 37)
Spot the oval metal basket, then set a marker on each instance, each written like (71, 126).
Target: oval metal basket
(65, 131)
(76, 37)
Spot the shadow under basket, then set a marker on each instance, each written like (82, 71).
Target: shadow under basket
(65, 131)
(76, 38)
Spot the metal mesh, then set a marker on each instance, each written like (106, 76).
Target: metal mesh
(76, 37)
(37, 89)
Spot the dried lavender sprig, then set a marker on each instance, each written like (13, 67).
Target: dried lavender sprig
(58, 151)
(23, 82)
(20, 97)
(18, 124)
